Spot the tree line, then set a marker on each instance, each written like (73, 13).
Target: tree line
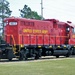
(26, 12)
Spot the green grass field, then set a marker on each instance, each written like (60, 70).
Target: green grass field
(63, 66)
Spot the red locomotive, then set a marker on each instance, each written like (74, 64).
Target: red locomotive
(26, 38)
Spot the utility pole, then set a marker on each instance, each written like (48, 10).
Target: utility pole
(42, 9)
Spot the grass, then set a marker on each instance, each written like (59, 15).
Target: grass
(46, 67)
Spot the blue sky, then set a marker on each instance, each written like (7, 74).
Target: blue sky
(60, 9)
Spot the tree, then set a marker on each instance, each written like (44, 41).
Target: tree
(4, 10)
(35, 15)
(26, 12)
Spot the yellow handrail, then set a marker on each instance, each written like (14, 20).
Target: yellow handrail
(12, 38)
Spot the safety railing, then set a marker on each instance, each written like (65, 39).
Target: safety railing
(11, 37)
(21, 37)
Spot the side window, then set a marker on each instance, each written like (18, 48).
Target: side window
(27, 23)
(73, 30)
(12, 23)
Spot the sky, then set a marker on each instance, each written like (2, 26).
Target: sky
(63, 10)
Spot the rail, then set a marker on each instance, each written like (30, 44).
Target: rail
(22, 36)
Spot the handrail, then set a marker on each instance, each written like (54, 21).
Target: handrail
(43, 37)
(12, 38)
(58, 36)
(26, 34)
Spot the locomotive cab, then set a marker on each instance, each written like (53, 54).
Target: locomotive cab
(6, 45)
(72, 36)
(11, 27)
(71, 39)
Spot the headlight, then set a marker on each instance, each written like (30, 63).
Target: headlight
(64, 46)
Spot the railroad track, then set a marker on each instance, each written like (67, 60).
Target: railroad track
(32, 59)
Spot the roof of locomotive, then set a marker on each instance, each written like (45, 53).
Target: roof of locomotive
(66, 24)
(17, 19)
(46, 21)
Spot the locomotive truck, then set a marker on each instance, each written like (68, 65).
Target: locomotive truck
(26, 38)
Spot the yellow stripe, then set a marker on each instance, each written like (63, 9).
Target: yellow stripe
(13, 39)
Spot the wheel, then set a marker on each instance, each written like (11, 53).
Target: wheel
(57, 56)
(10, 54)
(68, 55)
(10, 59)
(25, 56)
(21, 56)
(36, 56)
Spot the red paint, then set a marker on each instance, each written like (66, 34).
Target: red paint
(37, 32)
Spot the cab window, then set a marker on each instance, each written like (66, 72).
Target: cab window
(12, 23)
(67, 29)
(73, 30)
